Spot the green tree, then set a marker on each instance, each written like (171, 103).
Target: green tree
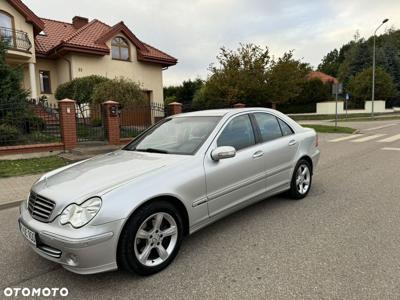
(356, 56)
(239, 76)
(11, 91)
(183, 93)
(360, 85)
(330, 63)
(122, 90)
(80, 89)
(16, 116)
(286, 78)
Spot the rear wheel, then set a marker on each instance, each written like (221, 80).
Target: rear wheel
(301, 180)
(151, 238)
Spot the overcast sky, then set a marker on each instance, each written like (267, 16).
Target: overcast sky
(194, 30)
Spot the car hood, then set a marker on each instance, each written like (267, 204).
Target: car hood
(98, 174)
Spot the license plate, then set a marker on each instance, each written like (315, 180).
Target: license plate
(28, 234)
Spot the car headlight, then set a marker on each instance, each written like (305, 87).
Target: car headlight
(80, 215)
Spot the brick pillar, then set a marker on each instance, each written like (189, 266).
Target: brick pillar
(111, 121)
(239, 105)
(175, 108)
(68, 123)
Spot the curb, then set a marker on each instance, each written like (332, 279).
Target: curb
(10, 204)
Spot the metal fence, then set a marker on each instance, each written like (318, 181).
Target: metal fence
(89, 123)
(28, 122)
(15, 39)
(136, 118)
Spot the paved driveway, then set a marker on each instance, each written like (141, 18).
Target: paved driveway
(341, 242)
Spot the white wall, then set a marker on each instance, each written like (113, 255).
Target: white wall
(329, 108)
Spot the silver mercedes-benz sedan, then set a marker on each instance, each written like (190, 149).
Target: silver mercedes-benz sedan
(131, 208)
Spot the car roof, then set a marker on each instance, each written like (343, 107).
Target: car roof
(222, 112)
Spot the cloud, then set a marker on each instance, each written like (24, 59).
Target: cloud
(193, 31)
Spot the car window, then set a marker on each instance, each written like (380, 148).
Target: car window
(182, 135)
(269, 126)
(286, 130)
(238, 133)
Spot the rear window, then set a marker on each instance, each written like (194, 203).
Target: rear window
(286, 130)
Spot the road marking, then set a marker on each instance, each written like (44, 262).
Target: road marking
(390, 139)
(391, 149)
(345, 138)
(380, 127)
(368, 138)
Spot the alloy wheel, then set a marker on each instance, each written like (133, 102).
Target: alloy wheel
(156, 239)
(303, 179)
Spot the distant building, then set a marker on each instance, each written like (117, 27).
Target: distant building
(325, 78)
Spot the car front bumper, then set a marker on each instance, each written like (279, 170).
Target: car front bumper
(87, 250)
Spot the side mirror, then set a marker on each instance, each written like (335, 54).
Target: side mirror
(223, 152)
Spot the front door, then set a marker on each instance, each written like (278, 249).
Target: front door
(235, 180)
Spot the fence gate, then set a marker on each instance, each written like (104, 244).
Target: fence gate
(89, 123)
(136, 118)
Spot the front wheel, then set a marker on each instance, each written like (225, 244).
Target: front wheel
(151, 238)
(301, 180)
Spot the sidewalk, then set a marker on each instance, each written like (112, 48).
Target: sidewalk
(15, 189)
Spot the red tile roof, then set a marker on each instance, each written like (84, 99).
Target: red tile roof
(92, 38)
(28, 14)
(325, 78)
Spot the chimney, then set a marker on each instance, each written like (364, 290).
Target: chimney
(79, 22)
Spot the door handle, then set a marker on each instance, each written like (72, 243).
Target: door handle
(292, 142)
(258, 153)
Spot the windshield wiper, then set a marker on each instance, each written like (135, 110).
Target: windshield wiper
(152, 150)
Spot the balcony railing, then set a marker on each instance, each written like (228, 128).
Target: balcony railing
(15, 39)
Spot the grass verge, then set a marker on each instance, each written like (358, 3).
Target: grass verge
(19, 167)
(350, 117)
(329, 129)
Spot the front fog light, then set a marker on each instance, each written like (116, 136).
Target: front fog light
(72, 259)
(80, 215)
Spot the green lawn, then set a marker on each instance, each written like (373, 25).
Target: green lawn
(382, 118)
(329, 129)
(19, 167)
(350, 117)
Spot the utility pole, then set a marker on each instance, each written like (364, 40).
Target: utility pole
(373, 68)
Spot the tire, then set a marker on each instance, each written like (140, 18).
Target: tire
(296, 192)
(143, 238)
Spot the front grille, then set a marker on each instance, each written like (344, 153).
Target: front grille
(40, 208)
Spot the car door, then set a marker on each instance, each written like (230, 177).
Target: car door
(280, 146)
(237, 179)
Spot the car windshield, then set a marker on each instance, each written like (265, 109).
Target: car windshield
(182, 135)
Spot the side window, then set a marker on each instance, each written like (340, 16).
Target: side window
(286, 130)
(269, 126)
(238, 133)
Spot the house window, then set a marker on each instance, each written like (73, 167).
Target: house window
(45, 85)
(119, 49)
(6, 20)
(7, 29)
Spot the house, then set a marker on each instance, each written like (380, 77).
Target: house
(325, 78)
(53, 52)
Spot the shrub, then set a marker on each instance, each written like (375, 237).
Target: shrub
(96, 122)
(26, 121)
(9, 135)
(80, 89)
(122, 90)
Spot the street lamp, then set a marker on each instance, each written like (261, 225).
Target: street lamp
(373, 68)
